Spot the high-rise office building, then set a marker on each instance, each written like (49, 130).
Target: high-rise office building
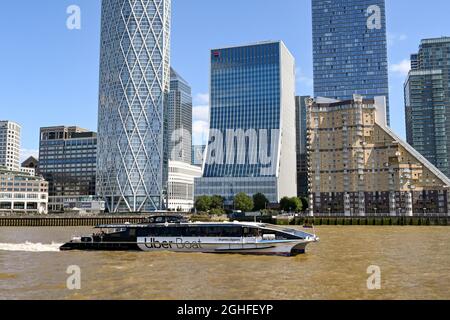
(67, 160)
(427, 102)
(179, 119)
(251, 145)
(134, 84)
(358, 165)
(9, 145)
(301, 133)
(350, 49)
(198, 155)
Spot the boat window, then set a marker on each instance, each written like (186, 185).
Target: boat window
(132, 232)
(251, 232)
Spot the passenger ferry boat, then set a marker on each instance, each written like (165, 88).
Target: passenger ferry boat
(174, 233)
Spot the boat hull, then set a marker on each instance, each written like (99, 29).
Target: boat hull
(279, 248)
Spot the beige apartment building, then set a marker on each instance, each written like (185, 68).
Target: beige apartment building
(358, 166)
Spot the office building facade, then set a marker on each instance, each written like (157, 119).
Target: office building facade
(68, 161)
(427, 102)
(181, 185)
(9, 145)
(198, 155)
(350, 49)
(179, 119)
(358, 166)
(251, 145)
(22, 193)
(134, 84)
(301, 133)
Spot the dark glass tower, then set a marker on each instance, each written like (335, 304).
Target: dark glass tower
(427, 102)
(350, 49)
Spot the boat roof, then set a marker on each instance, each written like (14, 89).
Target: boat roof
(209, 224)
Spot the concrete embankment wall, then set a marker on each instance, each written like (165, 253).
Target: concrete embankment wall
(65, 222)
(359, 221)
(331, 221)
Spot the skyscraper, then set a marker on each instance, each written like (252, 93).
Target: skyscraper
(427, 102)
(67, 160)
(350, 49)
(9, 145)
(179, 119)
(301, 133)
(251, 146)
(134, 83)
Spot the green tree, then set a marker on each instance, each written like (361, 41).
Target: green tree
(293, 204)
(217, 202)
(217, 212)
(305, 204)
(243, 202)
(260, 202)
(203, 203)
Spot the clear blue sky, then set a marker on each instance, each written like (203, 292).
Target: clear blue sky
(49, 74)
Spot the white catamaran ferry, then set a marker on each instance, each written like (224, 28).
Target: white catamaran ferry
(173, 233)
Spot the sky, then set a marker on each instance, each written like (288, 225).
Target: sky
(49, 74)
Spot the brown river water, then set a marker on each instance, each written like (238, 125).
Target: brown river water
(414, 264)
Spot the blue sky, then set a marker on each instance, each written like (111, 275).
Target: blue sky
(49, 74)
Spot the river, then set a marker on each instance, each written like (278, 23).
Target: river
(414, 264)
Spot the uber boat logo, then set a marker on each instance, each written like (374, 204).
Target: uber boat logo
(74, 20)
(374, 281)
(74, 280)
(179, 243)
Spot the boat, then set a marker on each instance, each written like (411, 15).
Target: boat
(176, 234)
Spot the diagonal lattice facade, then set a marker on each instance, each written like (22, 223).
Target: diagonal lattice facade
(134, 83)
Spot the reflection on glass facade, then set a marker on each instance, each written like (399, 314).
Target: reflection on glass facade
(252, 92)
(67, 160)
(134, 83)
(350, 49)
(301, 137)
(179, 120)
(427, 101)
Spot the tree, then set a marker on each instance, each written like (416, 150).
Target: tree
(260, 202)
(203, 203)
(291, 204)
(305, 204)
(217, 212)
(285, 204)
(243, 202)
(217, 202)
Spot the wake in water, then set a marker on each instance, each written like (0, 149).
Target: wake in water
(30, 247)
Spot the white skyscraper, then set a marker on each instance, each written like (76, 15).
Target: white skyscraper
(9, 145)
(134, 83)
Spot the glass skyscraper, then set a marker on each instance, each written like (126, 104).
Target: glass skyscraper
(179, 119)
(427, 102)
(252, 92)
(134, 83)
(350, 49)
(301, 137)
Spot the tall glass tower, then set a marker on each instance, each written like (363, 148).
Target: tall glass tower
(251, 146)
(134, 84)
(427, 102)
(350, 49)
(179, 120)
